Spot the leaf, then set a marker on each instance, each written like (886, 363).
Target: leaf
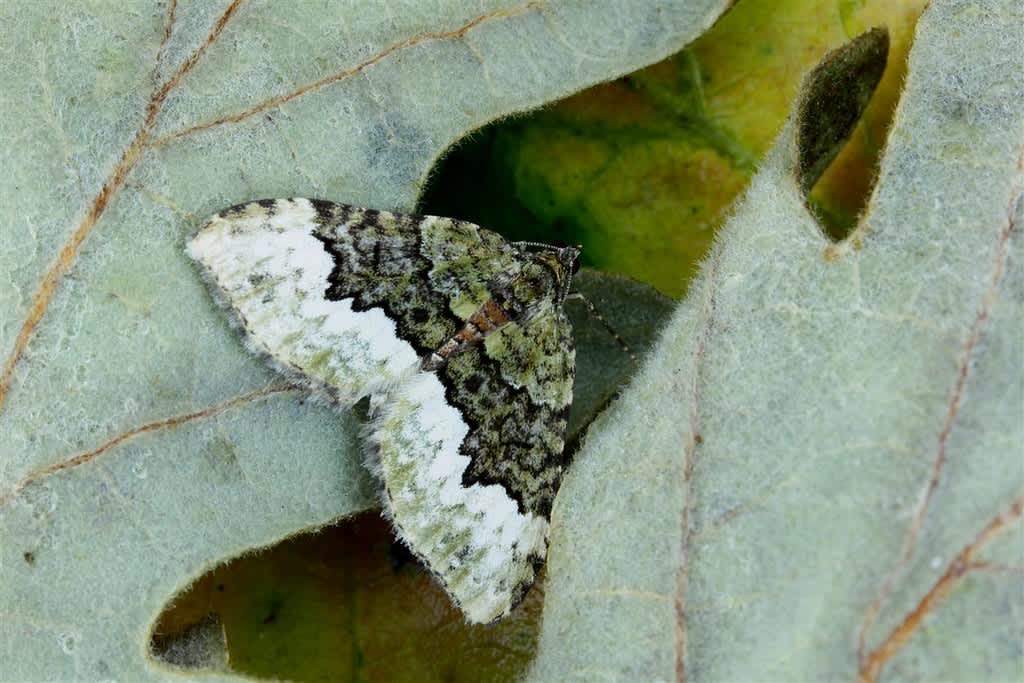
(140, 445)
(630, 310)
(817, 474)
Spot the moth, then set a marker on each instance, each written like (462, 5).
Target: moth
(460, 340)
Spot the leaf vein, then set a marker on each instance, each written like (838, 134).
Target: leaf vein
(109, 444)
(279, 100)
(69, 252)
(963, 564)
(963, 376)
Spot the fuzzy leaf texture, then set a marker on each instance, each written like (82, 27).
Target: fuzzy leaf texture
(140, 444)
(819, 473)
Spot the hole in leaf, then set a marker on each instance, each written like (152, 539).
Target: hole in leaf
(837, 94)
(635, 170)
(340, 604)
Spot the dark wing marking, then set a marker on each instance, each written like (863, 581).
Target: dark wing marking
(514, 393)
(425, 272)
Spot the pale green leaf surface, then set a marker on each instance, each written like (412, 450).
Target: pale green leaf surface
(139, 443)
(822, 427)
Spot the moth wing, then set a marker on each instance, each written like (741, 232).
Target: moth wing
(340, 296)
(472, 457)
(350, 299)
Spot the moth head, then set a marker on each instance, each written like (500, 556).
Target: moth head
(569, 257)
(559, 263)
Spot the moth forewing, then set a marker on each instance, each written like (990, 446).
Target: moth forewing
(462, 341)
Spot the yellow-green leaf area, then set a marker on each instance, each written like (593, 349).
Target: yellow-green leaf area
(641, 171)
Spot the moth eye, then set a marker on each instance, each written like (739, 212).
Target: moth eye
(575, 266)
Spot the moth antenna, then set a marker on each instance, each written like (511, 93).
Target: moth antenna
(565, 289)
(605, 324)
(539, 245)
(569, 256)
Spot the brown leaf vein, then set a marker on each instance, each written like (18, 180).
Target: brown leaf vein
(689, 460)
(278, 100)
(964, 563)
(157, 425)
(963, 375)
(129, 158)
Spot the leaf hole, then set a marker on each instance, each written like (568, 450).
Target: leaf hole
(336, 604)
(837, 152)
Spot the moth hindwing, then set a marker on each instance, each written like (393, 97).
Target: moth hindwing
(460, 339)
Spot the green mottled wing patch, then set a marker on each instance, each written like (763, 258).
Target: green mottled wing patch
(515, 398)
(427, 273)
(456, 250)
